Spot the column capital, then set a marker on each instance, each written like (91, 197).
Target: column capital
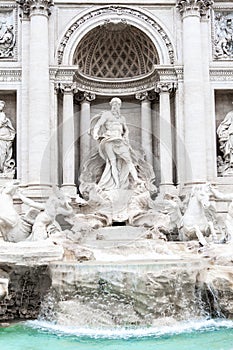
(146, 95)
(66, 88)
(35, 7)
(194, 7)
(165, 87)
(142, 96)
(84, 96)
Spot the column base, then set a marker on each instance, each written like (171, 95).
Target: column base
(69, 189)
(37, 191)
(168, 188)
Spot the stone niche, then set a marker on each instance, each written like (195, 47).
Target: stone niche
(223, 105)
(131, 110)
(10, 110)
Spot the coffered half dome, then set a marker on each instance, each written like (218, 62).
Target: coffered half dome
(115, 51)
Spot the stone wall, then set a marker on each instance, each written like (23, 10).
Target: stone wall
(27, 288)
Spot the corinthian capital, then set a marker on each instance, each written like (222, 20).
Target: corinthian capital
(165, 87)
(194, 7)
(67, 88)
(30, 7)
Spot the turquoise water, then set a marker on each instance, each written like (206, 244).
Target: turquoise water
(201, 335)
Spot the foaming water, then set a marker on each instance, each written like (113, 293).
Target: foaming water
(191, 335)
(134, 332)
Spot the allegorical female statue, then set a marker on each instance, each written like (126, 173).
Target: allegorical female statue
(7, 135)
(225, 135)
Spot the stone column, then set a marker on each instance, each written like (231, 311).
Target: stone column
(85, 117)
(22, 139)
(68, 141)
(166, 152)
(146, 125)
(210, 121)
(39, 93)
(194, 102)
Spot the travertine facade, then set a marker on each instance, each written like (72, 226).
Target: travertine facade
(170, 62)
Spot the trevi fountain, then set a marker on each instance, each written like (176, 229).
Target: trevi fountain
(116, 174)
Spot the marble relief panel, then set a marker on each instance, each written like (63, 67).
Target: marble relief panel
(223, 35)
(7, 33)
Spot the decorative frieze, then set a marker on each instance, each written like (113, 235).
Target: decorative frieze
(223, 35)
(10, 75)
(30, 7)
(120, 11)
(62, 75)
(194, 7)
(221, 74)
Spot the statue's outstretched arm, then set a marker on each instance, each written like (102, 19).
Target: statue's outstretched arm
(97, 126)
(30, 202)
(223, 196)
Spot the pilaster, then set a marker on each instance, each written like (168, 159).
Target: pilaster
(38, 92)
(194, 100)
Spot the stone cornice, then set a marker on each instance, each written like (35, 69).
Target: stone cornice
(35, 7)
(194, 7)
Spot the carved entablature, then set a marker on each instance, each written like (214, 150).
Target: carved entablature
(29, 7)
(221, 74)
(8, 32)
(194, 7)
(223, 35)
(10, 75)
(121, 12)
(104, 87)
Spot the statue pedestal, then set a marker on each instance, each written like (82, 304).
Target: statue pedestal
(5, 178)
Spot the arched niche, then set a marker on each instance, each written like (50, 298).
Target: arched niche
(89, 19)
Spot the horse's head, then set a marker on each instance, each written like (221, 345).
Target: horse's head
(201, 192)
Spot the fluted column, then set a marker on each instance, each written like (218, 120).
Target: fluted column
(68, 141)
(146, 125)
(166, 153)
(194, 103)
(22, 139)
(85, 117)
(39, 92)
